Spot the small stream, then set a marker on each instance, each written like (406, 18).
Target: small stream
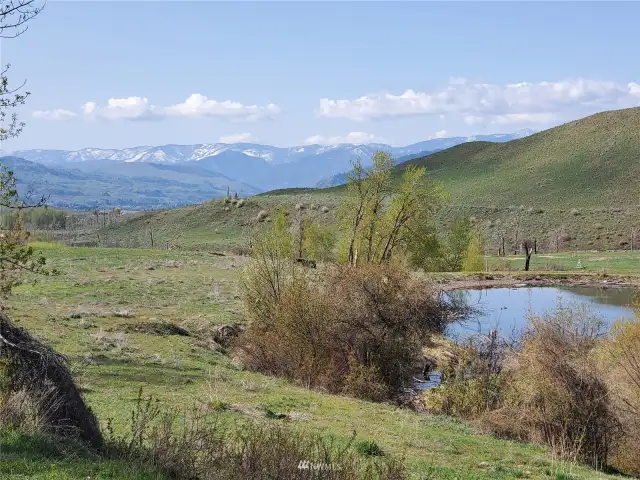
(507, 310)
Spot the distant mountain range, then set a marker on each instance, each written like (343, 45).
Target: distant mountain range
(106, 186)
(342, 177)
(175, 154)
(172, 175)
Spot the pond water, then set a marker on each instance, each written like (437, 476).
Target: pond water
(508, 310)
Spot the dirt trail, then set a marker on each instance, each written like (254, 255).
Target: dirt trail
(536, 280)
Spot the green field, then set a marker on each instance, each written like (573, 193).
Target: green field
(607, 263)
(43, 458)
(85, 311)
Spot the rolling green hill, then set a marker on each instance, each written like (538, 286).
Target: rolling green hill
(575, 185)
(592, 162)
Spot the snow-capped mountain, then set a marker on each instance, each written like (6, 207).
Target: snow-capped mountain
(154, 175)
(175, 154)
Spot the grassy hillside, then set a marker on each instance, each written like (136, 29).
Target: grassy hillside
(99, 321)
(216, 225)
(592, 162)
(576, 183)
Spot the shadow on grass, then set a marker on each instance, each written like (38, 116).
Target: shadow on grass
(41, 456)
(113, 370)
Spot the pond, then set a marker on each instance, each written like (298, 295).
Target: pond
(507, 310)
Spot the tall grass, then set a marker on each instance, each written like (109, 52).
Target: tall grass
(201, 445)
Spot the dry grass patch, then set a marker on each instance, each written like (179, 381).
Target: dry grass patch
(154, 328)
(112, 341)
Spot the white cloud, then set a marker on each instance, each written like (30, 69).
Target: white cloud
(352, 137)
(523, 118)
(139, 108)
(89, 108)
(473, 99)
(441, 134)
(474, 120)
(512, 119)
(58, 114)
(200, 106)
(237, 138)
(129, 108)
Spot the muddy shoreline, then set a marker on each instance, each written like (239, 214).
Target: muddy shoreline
(479, 282)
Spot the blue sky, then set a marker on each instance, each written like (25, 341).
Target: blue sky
(118, 74)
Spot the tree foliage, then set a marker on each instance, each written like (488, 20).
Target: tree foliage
(474, 255)
(318, 241)
(14, 14)
(427, 251)
(16, 256)
(382, 214)
(458, 242)
(270, 271)
(38, 218)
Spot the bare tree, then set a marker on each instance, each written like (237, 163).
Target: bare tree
(354, 209)
(528, 247)
(517, 224)
(14, 14)
(301, 225)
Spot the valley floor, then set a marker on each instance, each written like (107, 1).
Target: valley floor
(96, 311)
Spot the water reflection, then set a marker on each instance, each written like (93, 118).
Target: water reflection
(508, 309)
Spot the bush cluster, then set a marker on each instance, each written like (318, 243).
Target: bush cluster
(357, 331)
(563, 385)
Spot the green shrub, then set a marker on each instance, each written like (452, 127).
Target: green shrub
(620, 366)
(270, 414)
(369, 448)
(219, 405)
(549, 390)
(473, 260)
(319, 242)
(270, 270)
(357, 331)
(458, 244)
